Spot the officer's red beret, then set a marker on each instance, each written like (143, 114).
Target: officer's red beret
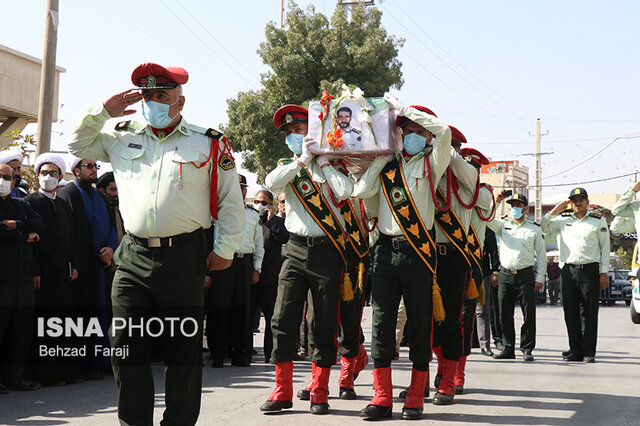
(290, 114)
(474, 155)
(154, 76)
(401, 121)
(456, 135)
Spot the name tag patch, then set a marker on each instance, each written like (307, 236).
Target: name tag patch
(135, 145)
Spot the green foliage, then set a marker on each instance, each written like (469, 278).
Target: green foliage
(625, 256)
(26, 144)
(311, 54)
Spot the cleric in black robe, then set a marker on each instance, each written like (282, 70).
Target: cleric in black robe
(58, 268)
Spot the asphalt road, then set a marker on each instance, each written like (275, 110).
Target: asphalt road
(548, 391)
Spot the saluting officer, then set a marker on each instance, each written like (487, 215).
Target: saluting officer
(627, 208)
(584, 250)
(313, 259)
(399, 192)
(172, 178)
(521, 249)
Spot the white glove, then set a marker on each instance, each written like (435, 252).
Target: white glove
(306, 155)
(398, 108)
(321, 160)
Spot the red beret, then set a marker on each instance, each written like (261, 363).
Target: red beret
(154, 76)
(290, 114)
(456, 135)
(474, 155)
(401, 121)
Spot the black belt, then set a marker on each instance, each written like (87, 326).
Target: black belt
(514, 271)
(160, 242)
(583, 266)
(310, 241)
(242, 255)
(397, 242)
(446, 248)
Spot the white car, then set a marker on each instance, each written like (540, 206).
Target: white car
(635, 291)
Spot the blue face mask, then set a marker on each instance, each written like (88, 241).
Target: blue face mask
(157, 114)
(414, 143)
(294, 142)
(516, 212)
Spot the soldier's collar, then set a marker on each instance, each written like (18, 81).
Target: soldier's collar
(182, 127)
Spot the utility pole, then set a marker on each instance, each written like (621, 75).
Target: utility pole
(47, 78)
(282, 14)
(538, 154)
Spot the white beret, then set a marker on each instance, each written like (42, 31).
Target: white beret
(47, 157)
(10, 155)
(73, 162)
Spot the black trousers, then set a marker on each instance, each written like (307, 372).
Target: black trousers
(228, 310)
(16, 329)
(511, 287)
(264, 296)
(580, 298)
(468, 320)
(496, 327)
(452, 275)
(162, 283)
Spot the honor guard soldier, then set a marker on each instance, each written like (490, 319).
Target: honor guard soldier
(523, 263)
(172, 178)
(584, 251)
(228, 316)
(400, 191)
(314, 259)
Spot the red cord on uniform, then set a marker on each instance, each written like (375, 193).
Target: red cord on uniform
(456, 189)
(493, 207)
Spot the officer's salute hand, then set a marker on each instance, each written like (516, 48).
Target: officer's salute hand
(636, 187)
(117, 104)
(560, 207)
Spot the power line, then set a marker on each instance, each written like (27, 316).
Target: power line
(573, 183)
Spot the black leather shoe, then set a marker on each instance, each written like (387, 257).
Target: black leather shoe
(573, 357)
(304, 394)
(374, 412)
(504, 355)
(486, 352)
(411, 413)
(567, 352)
(273, 406)
(217, 363)
(319, 409)
(499, 347)
(589, 359)
(527, 357)
(240, 362)
(442, 399)
(459, 389)
(436, 381)
(347, 393)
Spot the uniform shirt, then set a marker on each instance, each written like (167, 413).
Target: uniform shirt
(157, 198)
(484, 204)
(253, 241)
(467, 176)
(521, 245)
(622, 225)
(298, 221)
(581, 241)
(416, 175)
(626, 207)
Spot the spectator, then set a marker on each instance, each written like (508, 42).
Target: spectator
(13, 159)
(553, 284)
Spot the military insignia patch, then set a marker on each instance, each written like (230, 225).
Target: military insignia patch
(288, 118)
(226, 162)
(151, 81)
(305, 187)
(397, 196)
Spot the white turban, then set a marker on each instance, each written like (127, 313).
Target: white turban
(48, 157)
(62, 183)
(73, 163)
(10, 155)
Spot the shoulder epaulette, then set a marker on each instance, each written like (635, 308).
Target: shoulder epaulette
(356, 131)
(506, 216)
(128, 126)
(566, 213)
(213, 134)
(534, 223)
(284, 161)
(596, 215)
(123, 125)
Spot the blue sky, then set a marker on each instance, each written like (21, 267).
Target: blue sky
(490, 68)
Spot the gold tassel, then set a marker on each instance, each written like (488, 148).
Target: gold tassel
(481, 295)
(347, 288)
(472, 290)
(438, 307)
(361, 277)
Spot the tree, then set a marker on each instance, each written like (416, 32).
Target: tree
(309, 55)
(26, 145)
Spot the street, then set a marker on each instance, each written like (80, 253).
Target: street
(548, 391)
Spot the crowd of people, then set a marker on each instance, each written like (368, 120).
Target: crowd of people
(168, 234)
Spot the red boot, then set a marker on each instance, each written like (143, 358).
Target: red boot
(440, 357)
(320, 391)
(361, 361)
(414, 400)
(305, 394)
(459, 379)
(347, 366)
(382, 402)
(446, 390)
(282, 395)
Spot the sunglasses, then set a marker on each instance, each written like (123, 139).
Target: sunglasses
(8, 178)
(52, 173)
(91, 166)
(264, 203)
(281, 201)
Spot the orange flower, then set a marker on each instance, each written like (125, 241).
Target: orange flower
(326, 98)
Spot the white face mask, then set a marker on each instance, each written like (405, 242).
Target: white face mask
(48, 183)
(5, 187)
(261, 208)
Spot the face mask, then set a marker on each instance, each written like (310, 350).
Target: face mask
(157, 114)
(261, 208)
(294, 142)
(516, 212)
(414, 143)
(5, 187)
(48, 183)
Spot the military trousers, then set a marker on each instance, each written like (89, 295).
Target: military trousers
(451, 275)
(157, 287)
(396, 273)
(484, 316)
(468, 319)
(496, 327)
(512, 287)
(317, 269)
(580, 298)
